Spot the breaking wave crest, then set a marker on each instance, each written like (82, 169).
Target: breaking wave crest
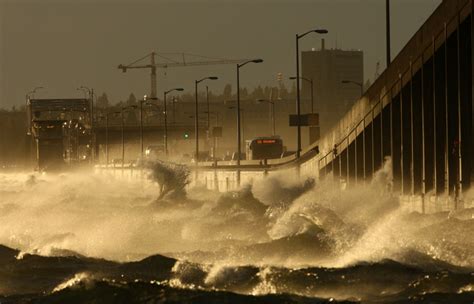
(274, 236)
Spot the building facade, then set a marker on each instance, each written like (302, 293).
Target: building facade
(328, 68)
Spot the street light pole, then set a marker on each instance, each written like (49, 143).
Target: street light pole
(196, 116)
(122, 137)
(387, 14)
(106, 141)
(91, 97)
(122, 133)
(298, 101)
(107, 137)
(166, 117)
(141, 125)
(208, 111)
(166, 123)
(196, 123)
(239, 148)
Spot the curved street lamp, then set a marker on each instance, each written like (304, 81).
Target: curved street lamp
(166, 116)
(122, 133)
(106, 116)
(196, 116)
(239, 148)
(298, 101)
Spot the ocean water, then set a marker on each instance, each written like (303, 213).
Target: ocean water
(87, 238)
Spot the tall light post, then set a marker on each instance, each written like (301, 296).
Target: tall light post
(239, 148)
(196, 116)
(145, 98)
(208, 110)
(27, 99)
(166, 116)
(310, 81)
(156, 108)
(208, 119)
(359, 84)
(91, 97)
(272, 103)
(387, 20)
(298, 101)
(122, 133)
(107, 136)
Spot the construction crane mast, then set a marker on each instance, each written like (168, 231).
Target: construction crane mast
(170, 63)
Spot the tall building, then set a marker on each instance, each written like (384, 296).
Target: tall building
(328, 68)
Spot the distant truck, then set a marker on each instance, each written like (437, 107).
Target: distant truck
(61, 130)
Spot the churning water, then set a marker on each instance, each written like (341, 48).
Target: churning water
(82, 238)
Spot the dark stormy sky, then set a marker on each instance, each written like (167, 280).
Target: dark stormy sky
(62, 45)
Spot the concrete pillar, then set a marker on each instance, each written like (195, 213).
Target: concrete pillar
(412, 151)
(356, 167)
(402, 173)
(434, 126)
(364, 152)
(423, 139)
(459, 112)
(347, 161)
(446, 113)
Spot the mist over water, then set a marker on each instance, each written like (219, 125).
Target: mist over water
(275, 235)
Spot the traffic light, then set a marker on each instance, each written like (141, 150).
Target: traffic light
(186, 135)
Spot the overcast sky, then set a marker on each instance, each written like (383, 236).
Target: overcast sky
(62, 45)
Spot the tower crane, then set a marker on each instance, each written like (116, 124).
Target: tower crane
(170, 63)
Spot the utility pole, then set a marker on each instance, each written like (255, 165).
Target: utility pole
(387, 8)
(208, 119)
(153, 77)
(166, 116)
(298, 101)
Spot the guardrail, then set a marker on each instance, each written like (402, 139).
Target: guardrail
(222, 175)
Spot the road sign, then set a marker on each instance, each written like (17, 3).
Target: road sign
(306, 120)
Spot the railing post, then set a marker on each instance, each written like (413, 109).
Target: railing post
(391, 134)
(412, 152)
(402, 186)
(381, 132)
(325, 166)
(373, 142)
(435, 142)
(423, 149)
(459, 175)
(340, 165)
(363, 150)
(347, 161)
(356, 167)
(446, 109)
